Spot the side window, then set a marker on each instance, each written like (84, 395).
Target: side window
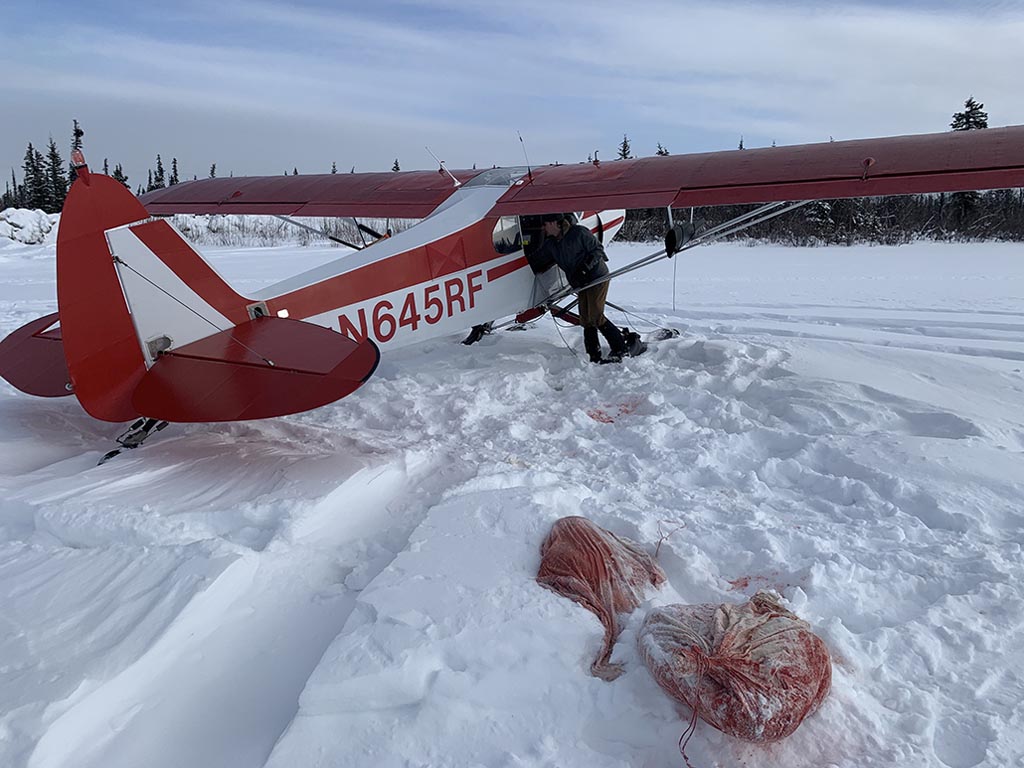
(507, 236)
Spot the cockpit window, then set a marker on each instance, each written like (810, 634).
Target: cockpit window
(497, 177)
(507, 236)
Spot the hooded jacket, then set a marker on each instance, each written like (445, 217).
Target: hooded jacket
(578, 253)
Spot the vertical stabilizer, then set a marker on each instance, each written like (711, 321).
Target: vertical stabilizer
(105, 362)
(128, 289)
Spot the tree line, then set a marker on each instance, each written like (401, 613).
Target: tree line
(997, 214)
(46, 179)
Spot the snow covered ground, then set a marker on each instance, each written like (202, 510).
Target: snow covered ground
(355, 586)
(28, 227)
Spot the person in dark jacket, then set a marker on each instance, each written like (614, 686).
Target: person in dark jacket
(581, 257)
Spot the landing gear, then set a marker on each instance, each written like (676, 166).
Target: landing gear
(134, 436)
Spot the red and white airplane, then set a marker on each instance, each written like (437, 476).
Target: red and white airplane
(145, 327)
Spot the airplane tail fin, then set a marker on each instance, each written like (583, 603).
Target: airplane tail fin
(104, 360)
(149, 328)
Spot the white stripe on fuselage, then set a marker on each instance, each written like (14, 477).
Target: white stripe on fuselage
(464, 208)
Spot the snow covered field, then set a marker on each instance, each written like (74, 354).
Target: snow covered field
(354, 586)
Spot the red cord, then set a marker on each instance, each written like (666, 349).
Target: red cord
(702, 666)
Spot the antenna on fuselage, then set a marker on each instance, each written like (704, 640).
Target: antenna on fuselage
(441, 163)
(529, 171)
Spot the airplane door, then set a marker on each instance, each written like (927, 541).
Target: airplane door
(551, 280)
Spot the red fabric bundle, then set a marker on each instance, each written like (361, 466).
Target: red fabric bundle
(602, 572)
(754, 671)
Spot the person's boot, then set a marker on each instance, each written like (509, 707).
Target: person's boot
(592, 344)
(614, 338)
(634, 344)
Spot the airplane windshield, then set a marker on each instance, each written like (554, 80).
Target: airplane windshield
(497, 177)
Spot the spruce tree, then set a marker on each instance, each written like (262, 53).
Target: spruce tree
(56, 181)
(396, 166)
(106, 167)
(44, 183)
(76, 143)
(624, 148)
(295, 171)
(159, 177)
(741, 144)
(213, 171)
(17, 191)
(38, 194)
(119, 176)
(661, 151)
(35, 179)
(334, 167)
(149, 183)
(963, 206)
(174, 172)
(972, 118)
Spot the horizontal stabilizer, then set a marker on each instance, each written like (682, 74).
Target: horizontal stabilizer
(32, 359)
(259, 369)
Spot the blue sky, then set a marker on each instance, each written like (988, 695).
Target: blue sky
(261, 86)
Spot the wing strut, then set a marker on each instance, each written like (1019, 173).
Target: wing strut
(360, 227)
(320, 232)
(680, 238)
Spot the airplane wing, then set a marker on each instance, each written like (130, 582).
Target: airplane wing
(940, 162)
(403, 194)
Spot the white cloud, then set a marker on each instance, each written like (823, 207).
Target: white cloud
(361, 87)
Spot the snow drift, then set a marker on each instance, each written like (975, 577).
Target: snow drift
(356, 587)
(29, 227)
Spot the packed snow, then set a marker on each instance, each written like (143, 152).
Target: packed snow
(355, 586)
(28, 227)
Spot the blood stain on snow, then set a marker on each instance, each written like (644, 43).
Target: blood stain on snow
(741, 583)
(625, 408)
(771, 580)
